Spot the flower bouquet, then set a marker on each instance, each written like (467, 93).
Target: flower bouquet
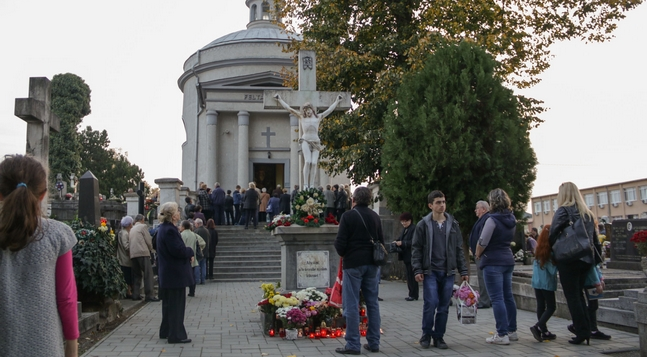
(308, 205)
(639, 239)
(466, 301)
(330, 219)
(278, 221)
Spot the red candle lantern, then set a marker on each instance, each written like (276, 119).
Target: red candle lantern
(324, 332)
(362, 312)
(363, 332)
(271, 332)
(282, 333)
(312, 335)
(365, 320)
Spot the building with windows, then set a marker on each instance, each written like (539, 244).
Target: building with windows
(624, 200)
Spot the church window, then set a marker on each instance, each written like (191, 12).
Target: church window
(266, 10)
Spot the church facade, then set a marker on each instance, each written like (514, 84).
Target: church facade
(230, 137)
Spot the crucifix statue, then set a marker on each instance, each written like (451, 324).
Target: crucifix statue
(36, 111)
(308, 99)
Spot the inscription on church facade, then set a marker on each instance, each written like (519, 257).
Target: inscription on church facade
(313, 269)
(253, 97)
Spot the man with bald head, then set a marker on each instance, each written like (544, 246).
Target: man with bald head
(482, 212)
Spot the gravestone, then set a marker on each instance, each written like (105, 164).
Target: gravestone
(624, 254)
(89, 210)
(36, 111)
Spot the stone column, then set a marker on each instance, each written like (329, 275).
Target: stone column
(295, 171)
(132, 204)
(169, 190)
(211, 156)
(243, 148)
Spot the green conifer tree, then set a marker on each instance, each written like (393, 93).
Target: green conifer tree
(453, 126)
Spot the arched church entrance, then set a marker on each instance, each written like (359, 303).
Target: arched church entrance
(268, 175)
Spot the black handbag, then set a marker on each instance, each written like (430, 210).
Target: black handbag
(573, 242)
(380, 255)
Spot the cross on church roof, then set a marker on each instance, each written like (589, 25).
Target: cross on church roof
(269, 134)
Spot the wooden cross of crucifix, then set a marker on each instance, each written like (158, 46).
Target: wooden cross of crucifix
(308, 116)
(307, 92)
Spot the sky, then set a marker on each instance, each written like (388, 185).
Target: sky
(131, 55)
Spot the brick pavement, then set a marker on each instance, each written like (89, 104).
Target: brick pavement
(222, 320)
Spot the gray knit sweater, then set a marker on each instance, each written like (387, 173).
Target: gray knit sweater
(29, 318)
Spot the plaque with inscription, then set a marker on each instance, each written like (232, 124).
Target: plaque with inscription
(622, 249)
(313, 269)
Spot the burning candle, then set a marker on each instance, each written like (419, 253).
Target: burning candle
(312, 335)
(362, 312)
(272, 333)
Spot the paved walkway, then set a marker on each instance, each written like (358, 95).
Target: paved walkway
(223, 321)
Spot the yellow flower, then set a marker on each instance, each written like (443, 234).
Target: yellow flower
(271, 301)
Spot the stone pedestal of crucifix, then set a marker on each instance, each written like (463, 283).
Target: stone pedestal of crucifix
(36, 111)
(309, 100)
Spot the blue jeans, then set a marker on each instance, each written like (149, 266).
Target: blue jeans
(363, 277)
(196, 273)
(437, 290)
(498, 281)
(203, 271)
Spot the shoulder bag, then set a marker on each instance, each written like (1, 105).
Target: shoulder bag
(573, 242)
(379, 252)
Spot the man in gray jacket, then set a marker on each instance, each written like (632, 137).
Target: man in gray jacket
(436, 252)
(141, 246)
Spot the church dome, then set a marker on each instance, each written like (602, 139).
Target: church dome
(255, 34)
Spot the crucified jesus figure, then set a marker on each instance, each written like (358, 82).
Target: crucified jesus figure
(310, 144)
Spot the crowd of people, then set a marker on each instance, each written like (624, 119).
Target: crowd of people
(243, 206)
(431, 250)
(432, 254)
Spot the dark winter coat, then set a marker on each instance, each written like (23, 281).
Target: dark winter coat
(173, 258)
(421, 247)
(406, 237)
(251, 199)
(353, 241)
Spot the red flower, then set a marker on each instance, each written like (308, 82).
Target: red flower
(287, 295)
(287, 224)
(310, 217)
(305, 220)
(639, 237)
(279, 223)
(316, 220)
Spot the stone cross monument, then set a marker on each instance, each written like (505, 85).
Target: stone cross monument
(36, 111)
(307, 93)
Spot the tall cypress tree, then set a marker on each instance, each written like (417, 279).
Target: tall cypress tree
(71, 103)
(453, 126)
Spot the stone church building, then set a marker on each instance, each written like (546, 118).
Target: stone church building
(230, 137)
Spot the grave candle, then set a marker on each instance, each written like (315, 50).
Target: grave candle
(272, 333)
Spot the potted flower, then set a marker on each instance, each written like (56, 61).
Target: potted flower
(267, 306)
(294, 318)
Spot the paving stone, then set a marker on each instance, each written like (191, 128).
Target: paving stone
(223, 321)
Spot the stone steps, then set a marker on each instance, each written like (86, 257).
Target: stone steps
(246, 255)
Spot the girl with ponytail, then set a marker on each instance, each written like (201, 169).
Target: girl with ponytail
(37, 285)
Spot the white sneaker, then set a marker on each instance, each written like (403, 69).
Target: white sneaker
(498, 340)
(513, 336)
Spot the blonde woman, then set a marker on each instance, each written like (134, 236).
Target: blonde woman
(572, 274)
(174, 272)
